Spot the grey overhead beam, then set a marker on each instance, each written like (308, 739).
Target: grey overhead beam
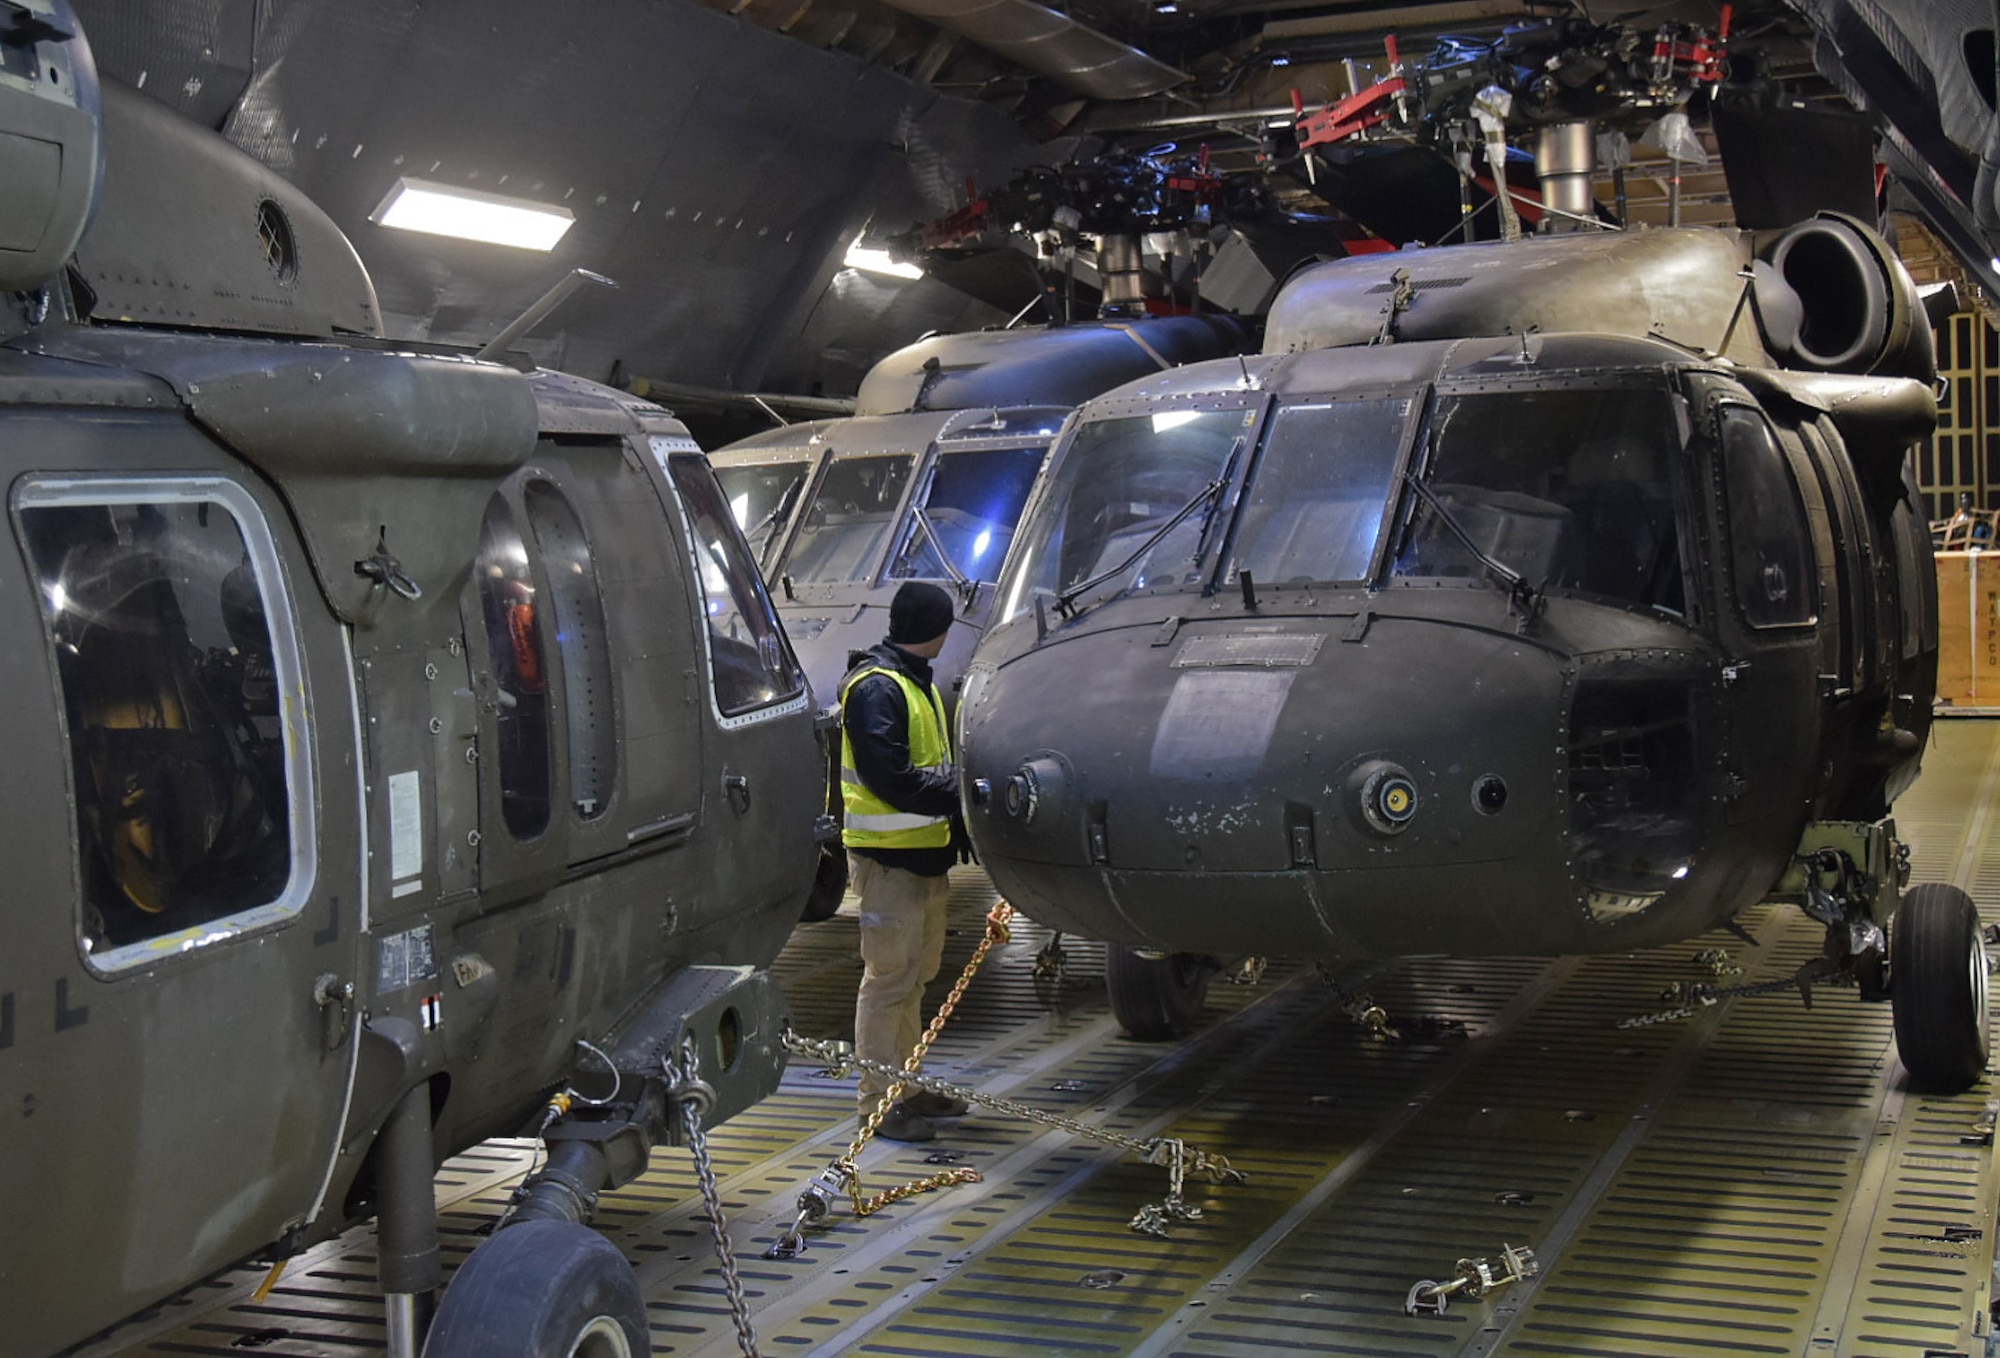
(1051, 44)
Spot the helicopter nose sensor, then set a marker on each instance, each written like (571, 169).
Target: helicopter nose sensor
(1034, 789)
(1388, 796)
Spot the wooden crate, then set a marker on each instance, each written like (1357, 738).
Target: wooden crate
(1969, 631)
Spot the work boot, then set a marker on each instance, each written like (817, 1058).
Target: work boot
(933, 1105)
(904, 1123)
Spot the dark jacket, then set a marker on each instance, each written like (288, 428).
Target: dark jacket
(878, 724)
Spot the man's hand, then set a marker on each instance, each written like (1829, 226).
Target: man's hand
(961, 840)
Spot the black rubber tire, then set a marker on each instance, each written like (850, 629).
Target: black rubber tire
(1937, 975)
(1156, 998)
(542, 1289)
(829, 885)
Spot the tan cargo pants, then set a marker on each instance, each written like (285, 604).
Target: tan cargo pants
(902, 943)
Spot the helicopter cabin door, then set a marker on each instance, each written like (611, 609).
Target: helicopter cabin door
(581, 649)
(182, 842)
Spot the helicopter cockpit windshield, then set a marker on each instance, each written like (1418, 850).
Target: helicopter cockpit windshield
(966, 518)
(761, 495)
(1124, 495)
(1313, 509)
(849, 519)
(1572, 490)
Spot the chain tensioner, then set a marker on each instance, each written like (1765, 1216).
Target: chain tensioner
(1472, 1279)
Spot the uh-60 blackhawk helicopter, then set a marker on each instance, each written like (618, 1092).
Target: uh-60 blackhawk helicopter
(926, 482)
(1559, 596)
(395, 741)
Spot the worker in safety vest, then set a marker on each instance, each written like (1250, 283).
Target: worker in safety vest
(899, 790)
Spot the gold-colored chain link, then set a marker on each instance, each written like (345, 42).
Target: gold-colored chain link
(1180, 1159)
(997, 932)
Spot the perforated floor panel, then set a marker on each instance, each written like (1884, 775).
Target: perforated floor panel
(1753, 1179)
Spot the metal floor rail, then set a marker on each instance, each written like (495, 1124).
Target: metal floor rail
(1752, 1180)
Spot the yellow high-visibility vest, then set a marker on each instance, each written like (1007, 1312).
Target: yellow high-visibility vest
(872, 823)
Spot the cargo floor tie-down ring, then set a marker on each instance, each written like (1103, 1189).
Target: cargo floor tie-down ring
(817, 1198)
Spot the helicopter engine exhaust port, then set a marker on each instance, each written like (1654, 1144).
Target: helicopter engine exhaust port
(1857, 313)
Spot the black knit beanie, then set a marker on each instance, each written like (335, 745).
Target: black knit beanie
(918, 613)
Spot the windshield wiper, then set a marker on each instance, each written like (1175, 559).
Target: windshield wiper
(1205, 494)
(958, 577)
(769, 523)
(1528, 597)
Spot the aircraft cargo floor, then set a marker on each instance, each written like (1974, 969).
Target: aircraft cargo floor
(1754, 1179)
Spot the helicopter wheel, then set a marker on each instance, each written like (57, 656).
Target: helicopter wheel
(1156, 998)
(542, 1289)
(829, 885)
(1937, 976)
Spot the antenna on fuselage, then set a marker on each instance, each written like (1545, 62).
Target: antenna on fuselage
(539, 312)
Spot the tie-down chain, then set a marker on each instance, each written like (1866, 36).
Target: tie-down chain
(695, 1098)
(1179, 1159)
(1689, 998)
(816, 1200)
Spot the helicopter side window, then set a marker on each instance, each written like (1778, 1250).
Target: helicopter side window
(589, 707)
(1121, 482)
(1315, 507)
(848, 521)
(191, 784)
(973, 503)
(514, 648)
(1769, 545)
(760, 496)
(1573, 489)
(750, 659)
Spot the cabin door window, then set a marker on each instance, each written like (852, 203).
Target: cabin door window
(183, 704)
(752, 665)
(519, 672)
(589, 708)
(1769, 547)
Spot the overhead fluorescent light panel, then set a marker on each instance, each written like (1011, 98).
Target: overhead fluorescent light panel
(470, 214)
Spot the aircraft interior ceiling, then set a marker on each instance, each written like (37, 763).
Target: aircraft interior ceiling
(720, 156)
(716, 169)
(1426, 740)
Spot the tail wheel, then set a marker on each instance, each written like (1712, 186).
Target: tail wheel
(542, 1289)
(1937, 975)
(1156, 997)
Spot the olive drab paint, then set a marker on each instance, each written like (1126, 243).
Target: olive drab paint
(393, 740)
(1562, 612)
